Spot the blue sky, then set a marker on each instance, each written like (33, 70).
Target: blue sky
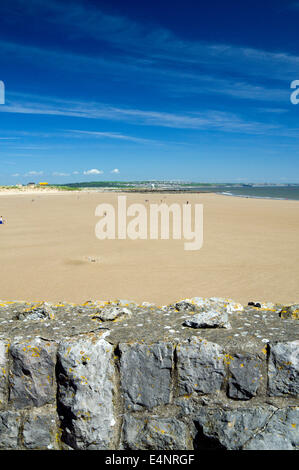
(127, 90)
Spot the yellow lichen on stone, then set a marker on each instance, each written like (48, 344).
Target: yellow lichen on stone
(289, 312)
(84, 380)
(228, 358)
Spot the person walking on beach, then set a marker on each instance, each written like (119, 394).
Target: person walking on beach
(2, 221)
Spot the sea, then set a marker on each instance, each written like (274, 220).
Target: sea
(264, 192)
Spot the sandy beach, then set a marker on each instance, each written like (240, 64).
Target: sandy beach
(49, 251)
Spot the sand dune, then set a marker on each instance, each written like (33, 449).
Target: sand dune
(49, 251)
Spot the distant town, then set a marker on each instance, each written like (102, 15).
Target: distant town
(149, 185)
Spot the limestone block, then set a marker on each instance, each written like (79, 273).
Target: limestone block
(39, 430)
(283, 377)
(200, 366)
(246, 376)
(85, 392)
(9, 429)
(32, 375)
(146, 374)
(141, 433)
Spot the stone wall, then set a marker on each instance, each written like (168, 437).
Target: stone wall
(197, 374)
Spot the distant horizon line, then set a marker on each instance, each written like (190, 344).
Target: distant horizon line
(172, 182)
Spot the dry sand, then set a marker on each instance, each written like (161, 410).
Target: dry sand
(250, 251)
(6, 190)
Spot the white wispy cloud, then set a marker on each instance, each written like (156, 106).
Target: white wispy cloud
(170, 78)
(93, 171)
(112, 135)
(153, 52)
(141, 48)
(207, 120)
(31, 147)
(116, 170)
(34, 173)
(154, 43)
(58, 173)
(208, 84)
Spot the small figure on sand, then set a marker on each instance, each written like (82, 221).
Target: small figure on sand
(2, 221)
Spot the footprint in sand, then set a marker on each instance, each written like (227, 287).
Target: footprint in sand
(83, 260)
(92, 259)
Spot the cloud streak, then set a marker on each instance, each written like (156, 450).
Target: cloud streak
(93, 171)
(137, 48)
(156, 44)
(205, 120)
(112, 135)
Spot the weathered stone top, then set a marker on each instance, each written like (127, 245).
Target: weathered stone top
(222, 321)
(119, 375)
